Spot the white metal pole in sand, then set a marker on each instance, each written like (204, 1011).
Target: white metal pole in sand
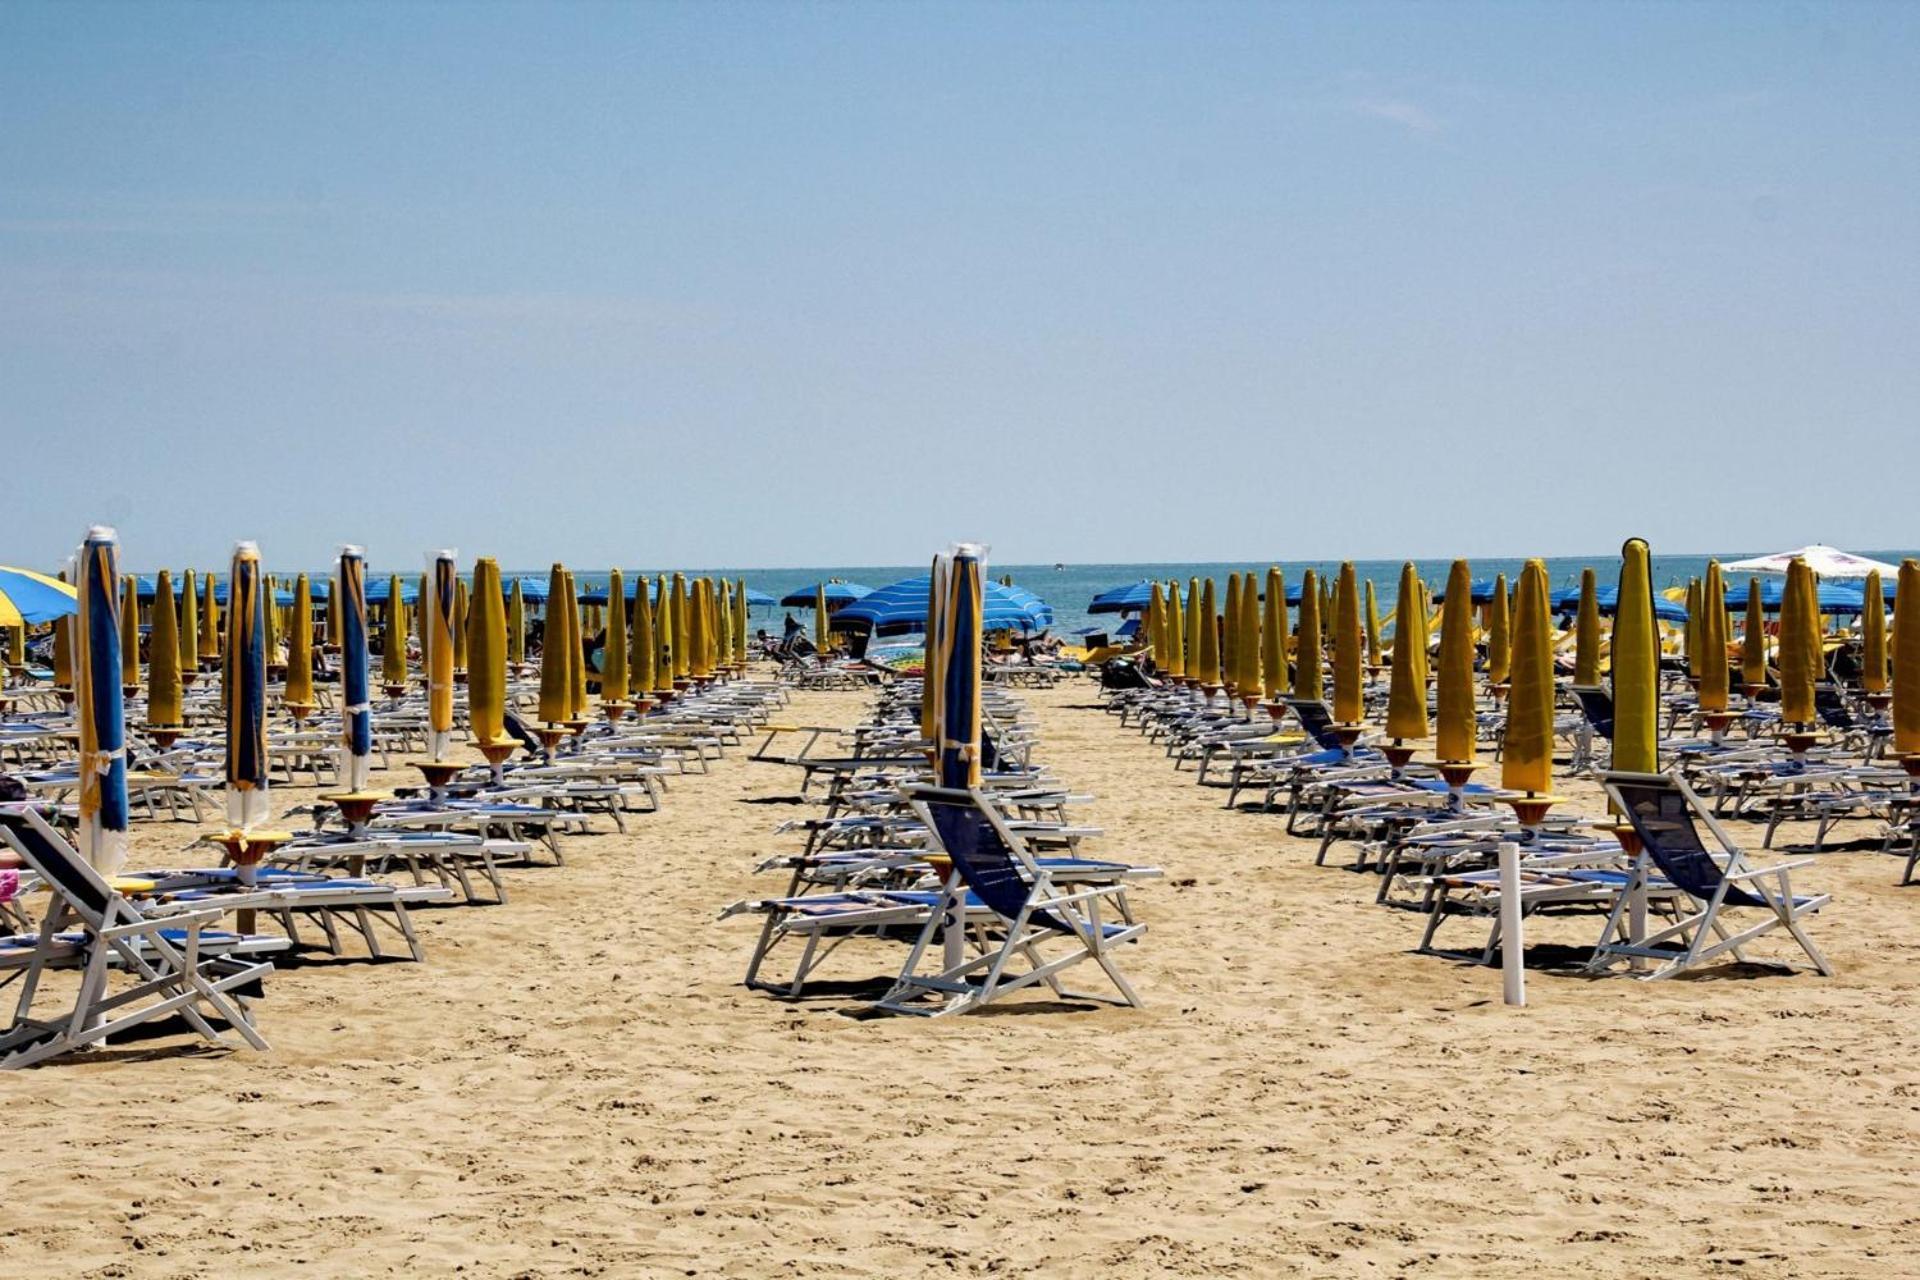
(1513, 946)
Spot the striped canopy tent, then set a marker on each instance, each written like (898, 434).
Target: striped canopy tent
(902, 606)
(837, 594)
(356, 724)
(98, 706)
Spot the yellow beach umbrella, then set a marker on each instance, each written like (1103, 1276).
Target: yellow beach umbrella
(683, 630)
(663, 637)
(1753, 640)
(576, 653)
(300, 645)
(460, 607)
(17, 645)
(1906, 659)
(163, 657)
(1252, 676)
(1191, 631)
(1586, 634)
(1800, 657)
(129, 635)
(1174, 661)
(189, 623)
(723, 623)
(1230, 638)
(1407, 682)
(63, 647)
(613, 661)
(1636, 666)
(1349, 690)
(487, 656)
(554, 676)
(438, 609)
(1157, 626)
(393, 645)
(700, 642)
(1209, 615)
(641, 648)
(1308, 681)
(1526, 756)
(1873, 623)
(1370, 614)
(1273, 637)
(1454, 735)
(820, 619)
(209, 620)
(270, 621)
(1712, 634)
(517, 626)
(740, 621)
(1499, 638)
(1692, 637)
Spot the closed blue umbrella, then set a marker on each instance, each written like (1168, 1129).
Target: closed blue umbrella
(838, 593)
(902, 606)
(98, 705)
(356, 736)
(1132, 598)
(243, 688)
(958, 643)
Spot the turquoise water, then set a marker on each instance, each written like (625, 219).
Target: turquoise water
(1070, 588)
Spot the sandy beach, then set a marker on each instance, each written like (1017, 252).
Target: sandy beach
(575, 1084)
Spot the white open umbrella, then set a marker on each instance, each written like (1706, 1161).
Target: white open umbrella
(1828, 562)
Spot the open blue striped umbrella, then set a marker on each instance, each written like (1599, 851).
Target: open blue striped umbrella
(1837, 598)
(98, 705)
(902, 606)
(1132, 598)
(243, 687)
(1607, 599)
(28, 597)
(356, 733)
(838, 593)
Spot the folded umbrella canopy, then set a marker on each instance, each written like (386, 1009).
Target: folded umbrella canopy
(349, 604)
(902, 606)
(1826, 561)
(98, 707)
(243, 688)
(440, 616)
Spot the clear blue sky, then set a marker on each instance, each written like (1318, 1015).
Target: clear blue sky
(791, 284)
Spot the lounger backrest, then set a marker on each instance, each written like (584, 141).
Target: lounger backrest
(58, 863)
(1664, 819)
(981, 856)
(1596, 704)
(1316, 719)
(1827, 704)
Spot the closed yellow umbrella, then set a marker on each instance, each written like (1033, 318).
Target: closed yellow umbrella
(1308, 681)
(1873, 623)
(189, 628)
(1407, 682)
(1636, 666)
(336, 615)
(939, 652)
(1692, 638)
(1273, 638)
(1349, 689)
(129, 636)
(1526, 756)
(209, 620)
(664, 637)
(487, 658)
(421, 614)
(460, 606)
(1753, 641)
(1586, 634)
(820, 619)
(1191, 631)
(1370, 614)
(517, 626)
(1253, 682)
(1209, 615)
(1455, 734)
(641, 648)
(699, 642)
(438, 615)
(1499, 637)
(1799, 646)
(683, 630)
(300, 647)
(393, 645)
(613, 661)
(163, 657)
(1906, 660)
(553, 653)
(63, 646)
(1712, 633)
(1230, 638)
(740, 623)
(270, 622)
(723, 624)
(1174, 663)
(576, 655)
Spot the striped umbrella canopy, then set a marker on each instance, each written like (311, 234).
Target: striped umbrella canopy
(1131, 598)
(440, 610)
(98, 706)
(1837, 598)
(758, 599)
(836, 594)
(902, 606)
(356, 716)
(532, 590)
(27, 597)
(243, 689)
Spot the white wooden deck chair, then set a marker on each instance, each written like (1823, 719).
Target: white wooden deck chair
(1052, 914)
(181, 964)
(1667, 816)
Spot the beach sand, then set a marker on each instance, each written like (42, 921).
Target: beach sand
(575, 1084)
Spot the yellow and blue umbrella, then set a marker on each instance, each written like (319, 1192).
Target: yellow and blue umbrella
(27, 598)
(440, 610)
(129, 637)
(958, 646)
(349, 605)
(98, 705)
(243, 687)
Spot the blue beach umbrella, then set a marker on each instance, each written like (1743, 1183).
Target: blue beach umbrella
(838, 593)
(1836, 598)
(1132, 598)
(1480, 591)
(98, 705)
(377, 591)
(243, 688)
(532, 590)
(356, 732)
(27, 597)
(1567, 601)
(902, 606)
(760, 599)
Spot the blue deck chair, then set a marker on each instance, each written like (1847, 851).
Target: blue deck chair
(1667, 815)
(180, 964)
(1036, 906)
